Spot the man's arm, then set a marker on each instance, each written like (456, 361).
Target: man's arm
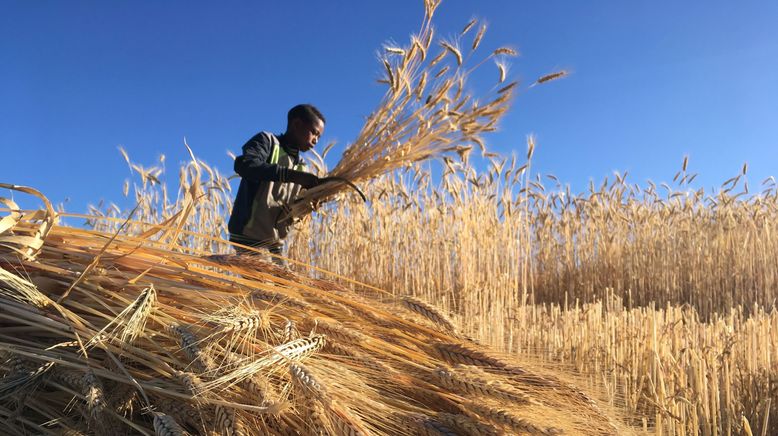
(252, 165)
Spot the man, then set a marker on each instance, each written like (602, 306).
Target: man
(272, 174)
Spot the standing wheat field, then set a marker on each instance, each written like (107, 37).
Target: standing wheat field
(663, 296)
(468, 295)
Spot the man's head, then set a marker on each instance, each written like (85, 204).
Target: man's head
(305, 125)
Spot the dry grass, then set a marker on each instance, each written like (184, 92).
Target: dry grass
(143, 344)
(664, 301)
(662, 297)
(676, 244)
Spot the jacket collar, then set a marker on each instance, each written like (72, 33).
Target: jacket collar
(292, 151)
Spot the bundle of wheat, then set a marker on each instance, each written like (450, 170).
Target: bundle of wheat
(113, 333)
(425, 112)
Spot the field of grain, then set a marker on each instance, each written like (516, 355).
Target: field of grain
(664, 296)
(469, 295)
(661, 304)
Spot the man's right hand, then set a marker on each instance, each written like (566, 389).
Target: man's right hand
(306, 180)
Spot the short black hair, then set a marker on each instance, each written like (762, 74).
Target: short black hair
(305, 112)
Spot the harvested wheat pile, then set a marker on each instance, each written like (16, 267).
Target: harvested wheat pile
(118, 334)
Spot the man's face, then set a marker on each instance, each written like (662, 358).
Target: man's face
(306, 134)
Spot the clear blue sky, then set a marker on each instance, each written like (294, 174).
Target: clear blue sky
(652, 81)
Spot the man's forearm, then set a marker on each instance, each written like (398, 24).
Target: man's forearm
(250, 169)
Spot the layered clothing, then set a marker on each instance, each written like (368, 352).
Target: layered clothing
(259, 215)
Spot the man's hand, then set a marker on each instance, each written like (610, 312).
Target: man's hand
(306, 180)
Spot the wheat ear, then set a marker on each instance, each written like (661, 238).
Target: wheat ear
(507, 419)
(228, 423)
(430, 312)
(466, 425)
(468, 386)
(189, 345)
(165, 425)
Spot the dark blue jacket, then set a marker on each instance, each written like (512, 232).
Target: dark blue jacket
(254, 168)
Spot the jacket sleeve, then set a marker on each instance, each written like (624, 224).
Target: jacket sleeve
(252, 165)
